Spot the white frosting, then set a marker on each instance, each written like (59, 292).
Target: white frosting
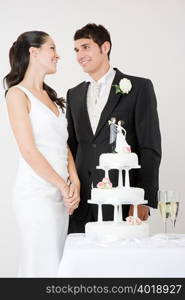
(117, 160)
(109, 231)
(121, 195)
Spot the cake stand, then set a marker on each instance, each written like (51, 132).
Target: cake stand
(117, 203)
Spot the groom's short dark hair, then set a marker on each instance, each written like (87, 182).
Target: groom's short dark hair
(98, 33)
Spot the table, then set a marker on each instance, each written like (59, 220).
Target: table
(147, 257)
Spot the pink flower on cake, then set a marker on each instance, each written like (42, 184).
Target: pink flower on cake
(128, 149)
(133, 220)
(104, 184)
(105, 180)
(109, 185)
(138, 221)
(129, 220)
(100, 185)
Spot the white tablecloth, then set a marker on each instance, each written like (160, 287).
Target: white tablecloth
(148, 257)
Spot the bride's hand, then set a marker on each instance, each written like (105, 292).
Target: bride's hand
(71, 196)
(74, 194)
(65, 191)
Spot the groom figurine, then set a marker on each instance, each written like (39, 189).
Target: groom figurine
(108, 93)
(113, 133)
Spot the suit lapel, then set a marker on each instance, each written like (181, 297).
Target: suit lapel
(111, 102)
(84, 116)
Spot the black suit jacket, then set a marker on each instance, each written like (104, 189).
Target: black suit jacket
(138, 110)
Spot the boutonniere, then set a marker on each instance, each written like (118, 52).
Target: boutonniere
(124, 86)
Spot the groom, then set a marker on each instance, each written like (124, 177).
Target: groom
(90, 105)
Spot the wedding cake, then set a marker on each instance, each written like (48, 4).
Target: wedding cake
(105, 194)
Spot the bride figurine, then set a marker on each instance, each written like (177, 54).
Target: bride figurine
(121, 143)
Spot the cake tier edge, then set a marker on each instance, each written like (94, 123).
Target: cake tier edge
(109, 231)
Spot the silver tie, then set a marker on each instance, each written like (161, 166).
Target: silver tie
(96, 91)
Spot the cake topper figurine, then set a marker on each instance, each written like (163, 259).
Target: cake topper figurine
(121, 143)
(113, 133)
(118, 137)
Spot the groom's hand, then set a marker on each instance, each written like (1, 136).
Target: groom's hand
(143, 211)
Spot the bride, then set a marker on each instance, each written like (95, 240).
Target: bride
(42, 198)
(121, 143)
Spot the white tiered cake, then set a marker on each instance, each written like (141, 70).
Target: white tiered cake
(105, 194)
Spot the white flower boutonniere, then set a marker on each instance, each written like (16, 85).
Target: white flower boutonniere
(124, 86)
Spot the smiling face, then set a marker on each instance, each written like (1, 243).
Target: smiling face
(90, 56)
(46, 56)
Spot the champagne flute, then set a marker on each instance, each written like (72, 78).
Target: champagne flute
(173, 198)
(164, 208)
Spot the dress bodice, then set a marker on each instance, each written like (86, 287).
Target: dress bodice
(49, 131)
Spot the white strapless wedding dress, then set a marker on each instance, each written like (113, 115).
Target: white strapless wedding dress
(38, 205)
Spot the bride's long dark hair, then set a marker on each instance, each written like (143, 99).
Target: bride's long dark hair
(19, 57)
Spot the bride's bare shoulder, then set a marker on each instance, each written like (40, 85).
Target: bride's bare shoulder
(15, 95)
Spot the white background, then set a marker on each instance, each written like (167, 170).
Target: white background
(148, 41)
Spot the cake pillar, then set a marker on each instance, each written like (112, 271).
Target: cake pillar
(116, 213)
(120, 215)
(120, 179)
(135, 211)
(106, 173)
(100, 219)
(127, 179)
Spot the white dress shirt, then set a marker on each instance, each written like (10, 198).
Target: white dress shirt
(97, 96)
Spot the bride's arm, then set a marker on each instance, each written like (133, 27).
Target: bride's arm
(18, 110)
(73, 176)
(123, 130)
(74, 183)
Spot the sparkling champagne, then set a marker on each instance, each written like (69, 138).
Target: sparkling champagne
(164, 208)
(174, 211)
(169, 210)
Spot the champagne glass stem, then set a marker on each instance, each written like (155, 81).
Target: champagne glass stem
(173, 226)
(165, 227)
